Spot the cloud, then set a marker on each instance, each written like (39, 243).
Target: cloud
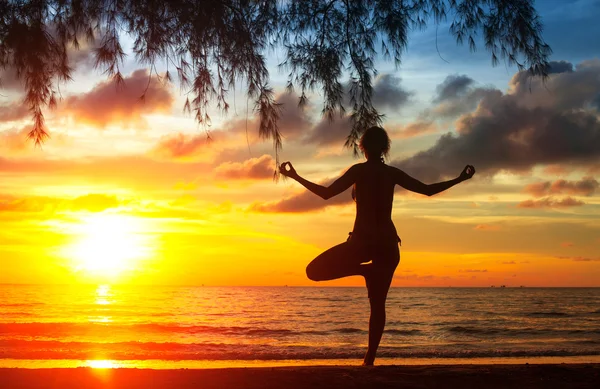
(40, 204)
(13, 112)
(538, 189)
(387, 93)
(456, 95)
(133, 172)
(567, 244)
(549, 202)
(453, 87)
(580, 259)
(487, 227)
(15, 139)
(108, 103)
(180, 145)
(584, 187)
(571, 90)
(251, 169)
(328, 133)
(560, 67)
(294, 121)
(472, 271)
(305, 201)
(508, 262)
(556, 170)
(520, 129)
(414, 129)
(81, 58)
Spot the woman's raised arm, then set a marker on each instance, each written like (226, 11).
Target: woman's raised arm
(414, 185)
(325, 192)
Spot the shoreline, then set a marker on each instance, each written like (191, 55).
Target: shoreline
(156, 364)
(548, 376)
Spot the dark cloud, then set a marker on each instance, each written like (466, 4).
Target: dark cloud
(305, 201)
(584, 187)
(388, 93)
(519, 130)
(456, 95)
(108, 103)
(252, 169)
(452, 108)
(79, 59)
(562, 91)
(560, 67)
(9, 80)
(329, 133)
(549, 202)
(294, 121)
(453, 87)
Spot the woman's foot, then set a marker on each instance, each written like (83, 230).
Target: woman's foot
(369, 359)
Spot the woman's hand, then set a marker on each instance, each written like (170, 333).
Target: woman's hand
(288, 170)
(467, 173)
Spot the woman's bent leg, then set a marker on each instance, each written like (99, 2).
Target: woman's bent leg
(339, 261)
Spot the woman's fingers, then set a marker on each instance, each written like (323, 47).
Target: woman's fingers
(283, 168)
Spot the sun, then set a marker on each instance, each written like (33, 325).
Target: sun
(107, 245)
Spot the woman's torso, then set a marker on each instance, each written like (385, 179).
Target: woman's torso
(374, 195)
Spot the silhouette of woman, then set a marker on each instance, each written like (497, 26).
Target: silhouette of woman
(374, 238)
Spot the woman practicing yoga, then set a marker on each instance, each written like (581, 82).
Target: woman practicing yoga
(374, 236)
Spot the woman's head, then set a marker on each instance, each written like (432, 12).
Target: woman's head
(375, 143)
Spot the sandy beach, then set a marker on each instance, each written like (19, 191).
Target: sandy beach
(457, 376)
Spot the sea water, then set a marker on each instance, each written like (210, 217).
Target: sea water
(152, 326)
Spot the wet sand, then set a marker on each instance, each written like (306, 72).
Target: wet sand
(438, 376)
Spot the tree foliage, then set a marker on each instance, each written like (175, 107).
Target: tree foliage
(211, 44)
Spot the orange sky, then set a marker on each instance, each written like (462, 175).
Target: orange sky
(133, 192)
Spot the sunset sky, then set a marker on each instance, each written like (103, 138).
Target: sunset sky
(132, 192)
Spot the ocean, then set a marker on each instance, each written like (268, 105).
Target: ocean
(151, 326)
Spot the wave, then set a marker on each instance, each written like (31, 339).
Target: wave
(100, 328)
(547, 314)
(21, 349)
(35, 304)
(349, 330)
(166, 330)
(403, 332)
(525, 331)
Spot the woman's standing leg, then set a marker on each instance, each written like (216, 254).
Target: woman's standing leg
(376, 326)
(378, 284)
